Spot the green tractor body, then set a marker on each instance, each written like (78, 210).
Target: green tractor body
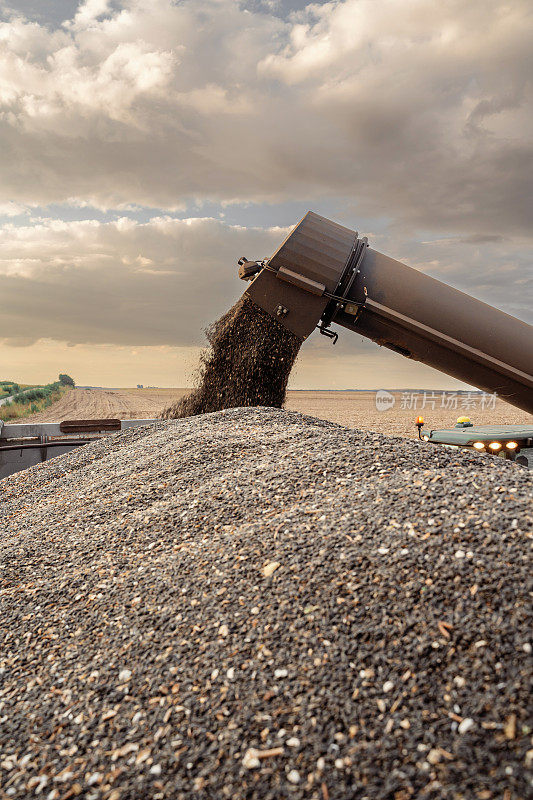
(511, 442)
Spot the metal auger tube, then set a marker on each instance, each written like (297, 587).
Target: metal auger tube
(323, 273)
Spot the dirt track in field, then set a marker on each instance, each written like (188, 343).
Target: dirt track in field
(353, 409)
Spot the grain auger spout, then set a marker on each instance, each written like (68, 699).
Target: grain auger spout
(324, 273)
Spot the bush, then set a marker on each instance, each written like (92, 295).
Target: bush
(8, 388)
(9, 411)
(31, 401)
(66, 380)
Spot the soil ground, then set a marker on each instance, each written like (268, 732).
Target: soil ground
(108, 403)
(353, 409)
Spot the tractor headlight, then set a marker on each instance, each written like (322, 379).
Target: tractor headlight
(511, 445)
(479, 445)
(495, 446)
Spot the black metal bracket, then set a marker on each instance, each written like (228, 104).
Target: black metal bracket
(328, 333)
(248, 269)
(350, 272)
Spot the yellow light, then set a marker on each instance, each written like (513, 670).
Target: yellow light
(511, 445)
(463, 419)
(420, 420)
(495, 445)
(479, 445)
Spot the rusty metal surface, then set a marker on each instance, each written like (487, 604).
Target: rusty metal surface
(429, 321)
(304, 308)
(89, 425)
(24, 445)
(396, 306)
(28, 430)
(45, 445)
(316, 248)
(297, 279)
(315, 253)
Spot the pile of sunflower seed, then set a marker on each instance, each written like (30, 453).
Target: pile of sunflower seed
(257, 604)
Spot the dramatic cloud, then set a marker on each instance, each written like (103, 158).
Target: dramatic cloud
(418, 112)
(162, 282)
(123, 283)
(410, 120)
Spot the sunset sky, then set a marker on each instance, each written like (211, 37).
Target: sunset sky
(146, 146)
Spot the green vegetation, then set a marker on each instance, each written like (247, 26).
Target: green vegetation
(66, 380)
(8, 388)
(25, 402)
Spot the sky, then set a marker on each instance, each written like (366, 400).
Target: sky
(145, 147)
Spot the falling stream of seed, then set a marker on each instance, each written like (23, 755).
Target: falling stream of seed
(247, 363)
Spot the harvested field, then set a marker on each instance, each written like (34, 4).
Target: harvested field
(110, 403)
(358, 410)
(353, 409)
(256, 604)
